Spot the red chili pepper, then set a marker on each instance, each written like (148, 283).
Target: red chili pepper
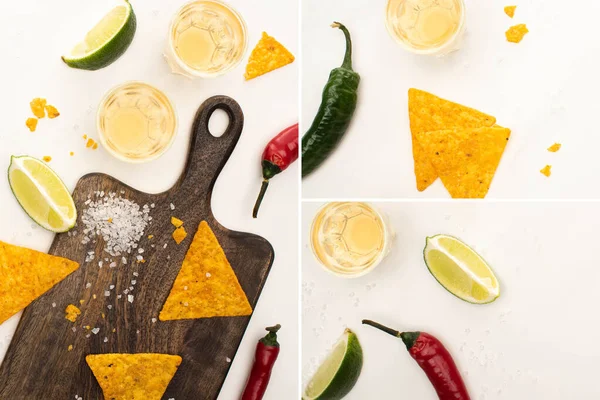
(434, 359)
(279, 154)
(266, 354)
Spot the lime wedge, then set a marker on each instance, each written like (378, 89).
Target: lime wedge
(338, 374)
(106, 42)
(42, 194)
(460, 270)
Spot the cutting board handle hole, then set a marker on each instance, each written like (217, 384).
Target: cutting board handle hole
(218, 122)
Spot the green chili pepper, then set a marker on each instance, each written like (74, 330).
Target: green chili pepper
(335, 113)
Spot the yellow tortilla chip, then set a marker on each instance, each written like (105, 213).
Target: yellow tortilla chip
(466, 160)
(267, 56)
(38, 106)
(72, 312)
(510, 10)
(206, 285)
(179, 235)
(27, 274)
(31, 123)
(554, 148)
(516, 33)
(176, 222)
(143, 376)
(52, 111)
(547, 171)
(429, 113)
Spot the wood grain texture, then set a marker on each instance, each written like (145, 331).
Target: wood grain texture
(38, 365)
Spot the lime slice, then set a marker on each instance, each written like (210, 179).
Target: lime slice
(106, 42)
(338, 374)
(42, 194)
(460, 270)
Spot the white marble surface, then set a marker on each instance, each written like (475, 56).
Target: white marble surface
(544, 89)
(537, 341)
(37, 32)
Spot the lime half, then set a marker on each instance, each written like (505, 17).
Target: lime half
(42, 194)
(106, 42)
(338, 374)
(460, 270)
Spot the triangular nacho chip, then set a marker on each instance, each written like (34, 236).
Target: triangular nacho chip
(141, 376)
(430, 113)
(466, 160)
(267, 56)
(27, 274)
(206, 285)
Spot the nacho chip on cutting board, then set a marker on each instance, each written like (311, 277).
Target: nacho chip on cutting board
(206, 285)
(27, 274)
(143, 376)
(268, 55)
(465, 159)
(429, 113)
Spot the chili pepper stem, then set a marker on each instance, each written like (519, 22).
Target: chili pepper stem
(271, 338)
(261, 195)
(348, 56)
(383, 328)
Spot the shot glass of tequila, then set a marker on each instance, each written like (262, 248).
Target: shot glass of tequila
(136, 122)
(207, 38)
(433, 27)
(350, 239)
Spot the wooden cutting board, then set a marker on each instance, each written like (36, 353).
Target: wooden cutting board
(39, 366)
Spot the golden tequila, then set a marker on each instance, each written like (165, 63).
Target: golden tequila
(350, 239)
(207, 38)
(136, 122)
(426, 26)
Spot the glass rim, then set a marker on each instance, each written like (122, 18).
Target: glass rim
(375, 263)
(173, 54)
(433, 50)
(102, 139)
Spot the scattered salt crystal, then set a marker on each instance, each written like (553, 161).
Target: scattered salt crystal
(135, 274)
(100, 264)
(88, 335)
(208, 275)
(152, 205)
(106, 293)
(139, 258)
(109, 307)
(130, 298)
(95, 331)
(119, 296)
(113, 264)
(228, 359)
(105, 339)
(168, 257)
(172, 206)
(185, 304)
(129, 221)
(88, 285)
(185, 288)
(111, 287)
(53, 304)
(74, 329)
(165, 246)
(153, 320)
(125, 291)
(131, 288)
(133, 282)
